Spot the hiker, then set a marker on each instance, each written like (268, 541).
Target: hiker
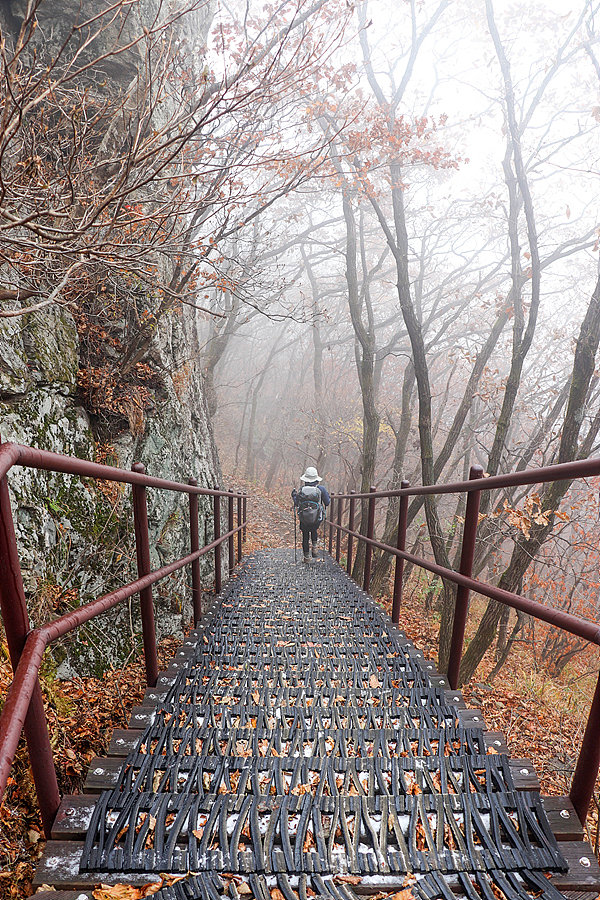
(310, 502)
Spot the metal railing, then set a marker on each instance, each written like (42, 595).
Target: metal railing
(588, 763)
(23, 708)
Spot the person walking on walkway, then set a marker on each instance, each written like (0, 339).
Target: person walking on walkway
(310, 502)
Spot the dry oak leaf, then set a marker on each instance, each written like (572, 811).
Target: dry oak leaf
(125, 891)
(406, 894)
(309, 842)
(374, 681)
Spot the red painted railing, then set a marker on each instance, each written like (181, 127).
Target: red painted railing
(23, 707)
(588, 764)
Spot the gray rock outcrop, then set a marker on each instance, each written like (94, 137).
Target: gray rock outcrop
(75, 537)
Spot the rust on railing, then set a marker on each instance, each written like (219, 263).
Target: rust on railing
(23, 708)
(588, 763)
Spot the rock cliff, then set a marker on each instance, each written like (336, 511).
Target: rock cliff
(63, 387)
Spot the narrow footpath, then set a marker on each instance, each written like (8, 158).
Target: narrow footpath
(299, 746)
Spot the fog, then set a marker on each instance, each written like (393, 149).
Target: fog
(289, 381)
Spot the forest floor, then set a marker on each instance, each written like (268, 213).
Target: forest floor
(542, 719)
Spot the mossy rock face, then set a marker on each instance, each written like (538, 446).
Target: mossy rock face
(75, 537)
(50, 509)
(14, 370)
(112, 28)
(37, 350)
(51, 341)
(55, 18)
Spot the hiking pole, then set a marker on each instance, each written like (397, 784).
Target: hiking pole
(294, 514)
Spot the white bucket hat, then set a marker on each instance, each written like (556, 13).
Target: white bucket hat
(311, 474)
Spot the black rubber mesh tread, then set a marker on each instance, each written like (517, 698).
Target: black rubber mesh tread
(208, 740)
(373, 835)
(306, 698)
(214, 887)
(315, 681)
(491, 885)
(308, 716)
(323, 776)
(264, 643)
(259, 646)
(432, 886)
(272, 654)
(302, 739)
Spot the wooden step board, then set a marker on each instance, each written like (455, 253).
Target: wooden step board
(60, 865)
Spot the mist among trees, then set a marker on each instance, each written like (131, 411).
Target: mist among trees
(382, 219)
(429, 298)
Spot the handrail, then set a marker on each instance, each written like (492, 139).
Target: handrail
(580, 468)
(588, 764)
(23, 707)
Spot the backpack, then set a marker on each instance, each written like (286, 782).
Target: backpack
(310, 505)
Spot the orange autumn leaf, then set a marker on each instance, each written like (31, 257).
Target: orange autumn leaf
(406, 894)
(124, 891)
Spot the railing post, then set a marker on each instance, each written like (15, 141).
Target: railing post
(231, 543)
(400, 545)
(350, 536)
(16, 627)
(217, 535)
(466, 568)
(195, 545)
(330, 522)
(239, 522)
(369, 549)
(338, 533)
(245, 514)
(588, 763)
(142, 549)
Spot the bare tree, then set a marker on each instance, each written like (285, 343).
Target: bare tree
(118, 155)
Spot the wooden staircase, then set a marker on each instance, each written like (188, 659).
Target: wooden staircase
(300, 746)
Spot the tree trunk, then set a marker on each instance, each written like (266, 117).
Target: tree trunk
(419, 356)
(365, 357)
(384, 560)
(321, 430)
(525, 550)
